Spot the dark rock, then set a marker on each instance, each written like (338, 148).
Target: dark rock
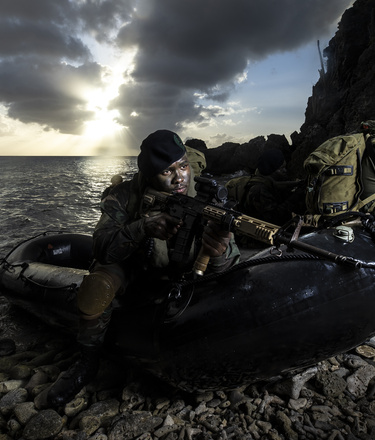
(25, 411)
(99, 414)
(130, 426)
(44, 425)
(12, 399)
(7, 346)
(344, 95)
(198, 144)
(331, 383)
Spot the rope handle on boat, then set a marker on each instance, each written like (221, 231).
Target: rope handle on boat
(72, 286)
(23, 277)
(242, 265)
(328, 255)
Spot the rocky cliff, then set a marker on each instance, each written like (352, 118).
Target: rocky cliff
(342, 98)
(345, 93)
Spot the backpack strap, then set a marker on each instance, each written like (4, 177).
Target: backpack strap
(370, 148)
(363, 203)
(339, 170)
(370, 152)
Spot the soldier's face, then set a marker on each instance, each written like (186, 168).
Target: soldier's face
(174, 179)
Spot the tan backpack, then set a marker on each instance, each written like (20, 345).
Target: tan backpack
(334, 183)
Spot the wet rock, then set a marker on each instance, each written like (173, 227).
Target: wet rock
(52, 371)
(298, 404)
(287, 425)
(43, 358)
(358, 382)
(99, 414)
(332, 384)
(293, 386)
(236, 398)
(40, 400)
(24, 412)
(366, 351)
(176, 406)
(20, 371)
(130, 425)
(44, 425)
(205, 397)
(7, 346)
(6, 363)
(74, 407)
(10, 385)
(38, 378)
(14, 428)
(11, 399)
(132, 398)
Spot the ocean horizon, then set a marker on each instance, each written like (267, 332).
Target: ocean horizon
(54, 193)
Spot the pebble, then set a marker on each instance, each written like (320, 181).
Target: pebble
(43, 425)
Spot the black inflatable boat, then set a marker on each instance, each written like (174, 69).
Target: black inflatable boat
(285, 307)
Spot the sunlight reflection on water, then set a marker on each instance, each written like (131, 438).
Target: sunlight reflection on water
(53, 193)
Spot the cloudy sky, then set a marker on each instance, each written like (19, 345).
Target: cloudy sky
(87, 77)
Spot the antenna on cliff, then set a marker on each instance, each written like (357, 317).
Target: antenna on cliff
(321, 71)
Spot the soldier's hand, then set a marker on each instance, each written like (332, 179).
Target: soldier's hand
(162, 226)
(215, 240)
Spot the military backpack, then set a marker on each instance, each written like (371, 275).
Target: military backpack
(334, 174)
(238, 188)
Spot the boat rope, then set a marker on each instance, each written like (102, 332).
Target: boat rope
(370, 228)
(244, 264)
(9, 267)
(72, 286)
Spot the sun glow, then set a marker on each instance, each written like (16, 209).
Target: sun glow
(104, 123)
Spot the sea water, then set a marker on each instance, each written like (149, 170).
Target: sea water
(40, 194)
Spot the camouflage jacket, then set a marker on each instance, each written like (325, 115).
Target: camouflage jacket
(119, 236)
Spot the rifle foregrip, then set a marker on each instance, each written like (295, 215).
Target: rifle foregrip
(200, 264)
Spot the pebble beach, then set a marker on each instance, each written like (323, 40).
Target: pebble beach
(331, 400)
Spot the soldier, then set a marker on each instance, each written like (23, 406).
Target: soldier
(115, 180)
(121, 248)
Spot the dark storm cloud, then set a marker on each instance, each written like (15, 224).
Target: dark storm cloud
(42, 27)
(37, 41)
(36, 91)
(200, 43)
(41, 39)
(155, 102)
(202, 46)
(37, 10)
(101, 18)
(183, 47)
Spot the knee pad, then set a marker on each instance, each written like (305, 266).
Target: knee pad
(97, 292)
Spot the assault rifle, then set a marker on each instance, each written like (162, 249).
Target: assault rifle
(208, 204)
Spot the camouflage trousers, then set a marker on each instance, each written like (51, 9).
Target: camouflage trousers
(94, 300)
